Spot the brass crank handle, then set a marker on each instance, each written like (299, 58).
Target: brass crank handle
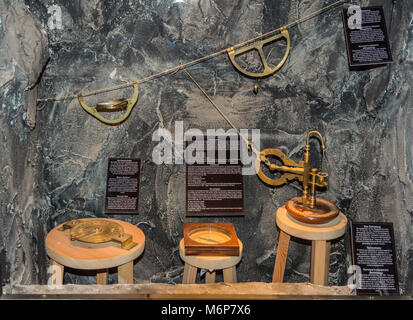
(95, 113)
(232, 53)
(291, 169)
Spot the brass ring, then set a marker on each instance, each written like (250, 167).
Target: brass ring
(324, 212)
(112, 105)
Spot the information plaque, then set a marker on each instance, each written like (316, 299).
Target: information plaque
(374, 260)
(215, 187)
(366, 40)
(1, 283)
(122, 186)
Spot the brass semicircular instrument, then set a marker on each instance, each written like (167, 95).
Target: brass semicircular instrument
(111, 106)
(233, 53)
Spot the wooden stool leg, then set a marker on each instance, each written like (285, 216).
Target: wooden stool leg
(281, 258)
(320, 262)
(189, 274)
(210, 276)
(125, 273)
(102, 276)
(57, 272)
(230, 274)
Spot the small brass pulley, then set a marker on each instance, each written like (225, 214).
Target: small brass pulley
(233, 53)
(112, 106)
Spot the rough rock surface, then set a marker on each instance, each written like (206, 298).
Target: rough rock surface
(57, 171)
(23, 54)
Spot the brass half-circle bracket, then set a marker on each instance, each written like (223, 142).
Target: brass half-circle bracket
(232, 53)
(287, 176)
(323, 212)
(112, 105)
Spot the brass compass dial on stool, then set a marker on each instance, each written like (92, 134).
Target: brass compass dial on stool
(98, 231)
(213, 239)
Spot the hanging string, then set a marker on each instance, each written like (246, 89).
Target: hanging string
(248, 143)
(187, 64)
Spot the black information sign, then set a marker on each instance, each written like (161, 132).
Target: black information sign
(1, 283)
(215, 187)
(122, 186)
(374, 260)
(367, 41)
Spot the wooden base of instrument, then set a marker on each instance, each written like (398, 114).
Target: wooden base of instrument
(323, 212)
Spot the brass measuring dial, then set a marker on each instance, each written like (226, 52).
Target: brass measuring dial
(98, 231)
(233, 53)
(210, 239)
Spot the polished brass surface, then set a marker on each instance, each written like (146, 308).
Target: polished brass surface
(110, 106)
(98, 231)
(292, 170)
(209, 234)
(233, 53)
(311, 208)
(255, 89)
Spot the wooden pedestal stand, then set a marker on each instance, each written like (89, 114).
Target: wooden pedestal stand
(319, 234)
(63, 252)
(225, 263)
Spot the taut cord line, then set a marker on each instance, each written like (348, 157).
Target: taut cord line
(249, 143)
(176, 68)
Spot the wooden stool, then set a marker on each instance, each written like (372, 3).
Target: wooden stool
(226, 263)
(319, 234)
(63, 253)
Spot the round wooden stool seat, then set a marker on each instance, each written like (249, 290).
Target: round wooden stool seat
(64, 252)
(211, 263)
(319, 234)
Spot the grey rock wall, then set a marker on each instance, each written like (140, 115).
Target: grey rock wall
(60, 155)
(23, 54)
